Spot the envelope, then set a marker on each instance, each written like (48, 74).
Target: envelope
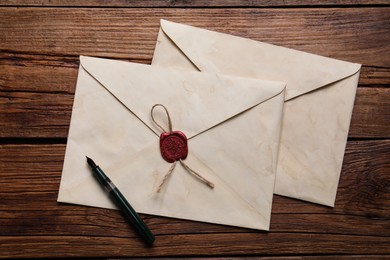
(232, 125)
(319, 97)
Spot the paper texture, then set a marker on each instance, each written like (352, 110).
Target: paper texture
(233, 127)
(320, 95)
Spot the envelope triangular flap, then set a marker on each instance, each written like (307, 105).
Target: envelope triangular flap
(223, 53)
(196, 101)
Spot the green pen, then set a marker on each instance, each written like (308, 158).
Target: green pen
(121, 202)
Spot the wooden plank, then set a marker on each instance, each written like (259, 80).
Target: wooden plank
(192, 245)
(34, 114)
(355, 34)
(371, 114)
(31, 217)
(194, 3)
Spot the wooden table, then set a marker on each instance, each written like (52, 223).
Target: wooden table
(40, 41)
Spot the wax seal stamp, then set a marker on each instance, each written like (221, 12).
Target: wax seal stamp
(173, 146)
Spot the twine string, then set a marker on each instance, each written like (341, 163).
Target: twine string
(197, 175)
(157, 124)
(173, 165)
(167, 175)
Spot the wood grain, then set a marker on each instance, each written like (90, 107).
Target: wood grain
(40, 42)
(186, 3)
(30, 176)
(190, 245)
(354, 34)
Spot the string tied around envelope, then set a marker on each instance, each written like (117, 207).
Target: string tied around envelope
(174, 148)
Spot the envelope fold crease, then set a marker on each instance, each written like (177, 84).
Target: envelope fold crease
(208, 106)
(248, 58)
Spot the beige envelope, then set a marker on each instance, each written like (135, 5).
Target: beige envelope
(233, 128)
(320, 94)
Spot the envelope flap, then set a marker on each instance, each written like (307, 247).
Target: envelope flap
(222, 53)
(195, 101)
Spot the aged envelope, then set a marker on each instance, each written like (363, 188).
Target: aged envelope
(320, 95)
(233, 128)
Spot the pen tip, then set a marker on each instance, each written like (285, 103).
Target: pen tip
(90, 162)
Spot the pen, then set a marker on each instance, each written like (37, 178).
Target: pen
(121, 202)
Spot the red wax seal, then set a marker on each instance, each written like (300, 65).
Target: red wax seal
(173, 146)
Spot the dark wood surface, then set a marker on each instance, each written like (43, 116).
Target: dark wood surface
(40, 42)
